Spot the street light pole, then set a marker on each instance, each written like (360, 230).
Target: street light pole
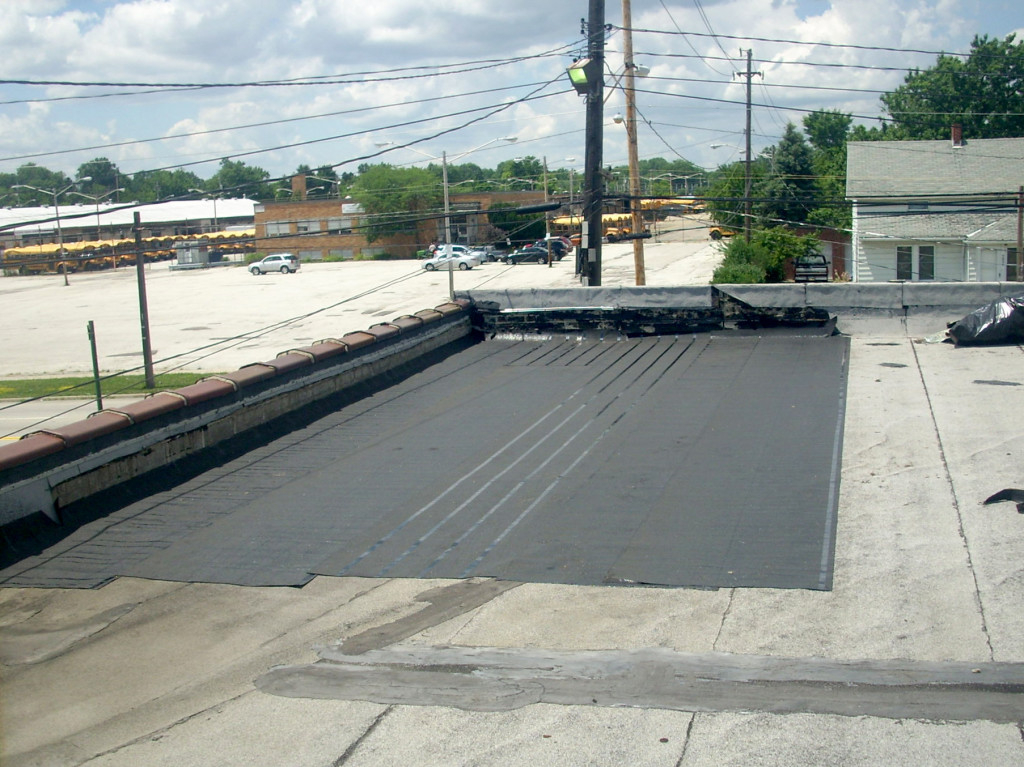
(56, 214)
(97, 201)
(445, 240)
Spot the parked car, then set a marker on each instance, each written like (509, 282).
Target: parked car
(461, 250)
(490, 253)
(718, 232)
(451, 262)
(276, 262)
(531, 254)
(558, 248)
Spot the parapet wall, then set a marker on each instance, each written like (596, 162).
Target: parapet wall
(49, 469)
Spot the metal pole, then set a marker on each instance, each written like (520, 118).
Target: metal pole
(547, 215)
(91, 329)
(60, 240)
(635, 209)
(140, 271)
(447, 227)
(593, 205)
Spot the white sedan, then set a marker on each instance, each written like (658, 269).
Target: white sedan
(451, 262)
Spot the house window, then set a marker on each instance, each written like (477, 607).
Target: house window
(926, 262)
(277, 228)
(339, 225)
(305, 226)
(904, 262)
(1012, 275)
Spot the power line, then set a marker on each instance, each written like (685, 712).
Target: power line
(850, 46)
(316, 80)
(267, 123)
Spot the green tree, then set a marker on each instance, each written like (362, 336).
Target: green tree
(153, 186)
(36, 175)
(828, 131)
(763, 259)
(787, 192)
(395, 198)
(236, 179)
(984, 93)
(104, 174)
(725, 192)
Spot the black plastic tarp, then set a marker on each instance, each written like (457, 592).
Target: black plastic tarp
(1001, 321)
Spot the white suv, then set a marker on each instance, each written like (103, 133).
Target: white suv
(278, 262)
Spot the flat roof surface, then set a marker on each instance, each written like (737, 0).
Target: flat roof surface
(706, 461)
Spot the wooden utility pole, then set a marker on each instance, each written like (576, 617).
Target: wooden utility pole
(635, 207)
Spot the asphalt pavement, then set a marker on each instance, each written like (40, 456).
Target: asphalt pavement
(912, 657)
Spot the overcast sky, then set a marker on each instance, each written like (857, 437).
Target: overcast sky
(377, 66)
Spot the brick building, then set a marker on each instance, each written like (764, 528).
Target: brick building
(334, 229)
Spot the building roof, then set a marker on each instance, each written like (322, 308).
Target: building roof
(1002, 230)
(938, 227)
(902, 169)
(30, 220)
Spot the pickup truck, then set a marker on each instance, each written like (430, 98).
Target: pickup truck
(811, 268)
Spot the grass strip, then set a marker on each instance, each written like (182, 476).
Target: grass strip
(82, 386)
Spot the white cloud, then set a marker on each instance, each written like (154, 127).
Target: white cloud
(240, 40)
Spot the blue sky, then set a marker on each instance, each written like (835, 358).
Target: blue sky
(693, 102)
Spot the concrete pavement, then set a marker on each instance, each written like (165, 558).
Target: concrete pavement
(158, 673)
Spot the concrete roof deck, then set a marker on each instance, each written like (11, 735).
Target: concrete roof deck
(927, 585)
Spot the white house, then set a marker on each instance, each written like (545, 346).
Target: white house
(935, 210)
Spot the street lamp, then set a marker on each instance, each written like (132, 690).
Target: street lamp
(444, 181)
(97, 201)
(56, 215)
(216, 224)
(331, 181)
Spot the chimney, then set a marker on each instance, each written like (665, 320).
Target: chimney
(299, 186)
(958, 135)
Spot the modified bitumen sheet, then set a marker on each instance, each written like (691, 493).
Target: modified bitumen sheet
(707, 461)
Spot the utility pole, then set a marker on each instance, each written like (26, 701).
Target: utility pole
(635, 209)
(746, 185)
(593, 199)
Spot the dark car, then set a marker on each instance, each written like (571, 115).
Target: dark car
(528, 255)
(558, 248)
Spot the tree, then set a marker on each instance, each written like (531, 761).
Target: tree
(828, 131)
(104, 174)
(395, 198)
(762, 259)
(787, 192)
(157, 185)
(725, 193)
(984, 93)
(236, 179)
